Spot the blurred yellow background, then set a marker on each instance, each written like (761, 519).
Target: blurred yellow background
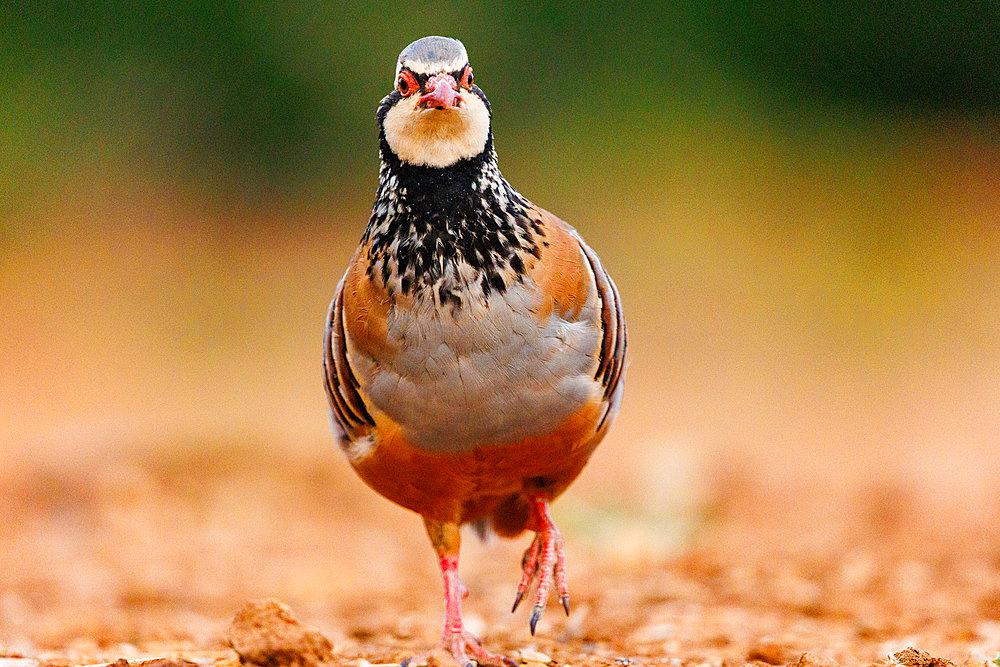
(801, 207)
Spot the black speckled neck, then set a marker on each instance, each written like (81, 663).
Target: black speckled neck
(427, 221)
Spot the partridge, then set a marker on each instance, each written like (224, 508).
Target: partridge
(475, 347)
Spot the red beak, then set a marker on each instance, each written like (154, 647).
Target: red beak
(442, 92)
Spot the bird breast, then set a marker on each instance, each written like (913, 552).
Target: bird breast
(493, 371)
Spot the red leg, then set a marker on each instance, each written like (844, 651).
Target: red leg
(456, 639)
(544, 560)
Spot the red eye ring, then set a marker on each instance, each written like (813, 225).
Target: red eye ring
(466, 81)
(407, 83)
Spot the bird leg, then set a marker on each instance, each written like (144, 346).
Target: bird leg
(544, 560)
(446, 538)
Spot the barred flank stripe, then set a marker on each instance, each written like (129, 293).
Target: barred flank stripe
(621, 342)
(614, 342)
(349, 409)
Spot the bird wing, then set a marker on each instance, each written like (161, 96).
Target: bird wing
(347, 407)
(614, 340)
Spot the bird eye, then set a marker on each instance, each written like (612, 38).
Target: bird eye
(467, 78)
(407, 83)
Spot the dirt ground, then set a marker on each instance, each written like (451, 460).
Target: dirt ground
(123, 553)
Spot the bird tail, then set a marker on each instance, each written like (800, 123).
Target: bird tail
(511, 517)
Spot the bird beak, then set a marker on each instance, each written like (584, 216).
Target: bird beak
(442, 93)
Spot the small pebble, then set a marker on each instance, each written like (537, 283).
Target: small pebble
(532, 655)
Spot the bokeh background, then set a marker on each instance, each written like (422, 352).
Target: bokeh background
(800, 203)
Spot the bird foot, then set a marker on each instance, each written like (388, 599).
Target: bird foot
(544, 561)
(460, 642)
(464, 648)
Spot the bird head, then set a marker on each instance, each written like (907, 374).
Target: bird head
(435, 116)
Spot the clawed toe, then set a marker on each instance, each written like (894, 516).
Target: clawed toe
(545, 561)
(536, 614)
(462, 643)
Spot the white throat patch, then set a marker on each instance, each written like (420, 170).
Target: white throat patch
(437, 137)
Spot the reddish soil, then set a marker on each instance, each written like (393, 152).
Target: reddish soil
(146, 553)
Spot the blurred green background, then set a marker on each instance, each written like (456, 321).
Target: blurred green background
(265, 101)
(799, 201)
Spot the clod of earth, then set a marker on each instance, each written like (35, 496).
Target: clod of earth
(914, 657)
(264, 633)
(813, 660)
